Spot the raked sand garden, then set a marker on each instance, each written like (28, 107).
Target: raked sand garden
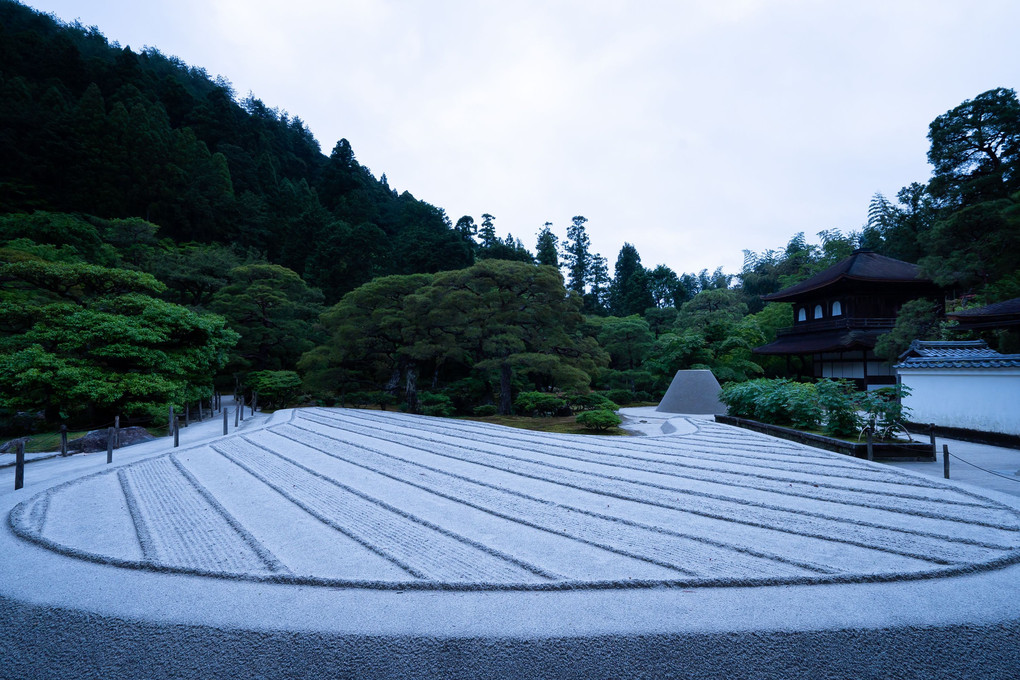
(343, 543)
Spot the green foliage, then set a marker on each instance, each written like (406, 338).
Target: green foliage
(274, 311)
(627, 340)
(276, 388)
(975, 245)
(709, 333)
(772, 405)
(547, 247)
(577, 256)
(884, 409)
(741, 398)
(917, 320)
(498, 323)
(539, 403)
(665, 288)
(435, 404)
(620, 397)
(630, 292)
(590, 401)
(784, 402)
(804, 407)
(485, 410)
(101, 346)
(95, 129)
(494, 248)
(840, 402)
(599, 421)
(376, 398)
(975, 148)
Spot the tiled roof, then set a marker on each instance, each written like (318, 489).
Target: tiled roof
(863, 265)
(1005, 314)
(955, 354)
(1002, 361)
(950, 349)
(1006, 307)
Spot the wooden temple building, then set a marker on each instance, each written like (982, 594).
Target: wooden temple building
(839, 313)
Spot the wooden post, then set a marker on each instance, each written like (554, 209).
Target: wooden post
(63, 440)
(224, 421)
(871, 449)
(170, 422)
(237, 412)
(116, 431)
(187, 414)
(241, 408)
(201, 416)
(19, 467)
(254, 402)
(177, 432)
(109, 444)
(945, 460)
(931, 435)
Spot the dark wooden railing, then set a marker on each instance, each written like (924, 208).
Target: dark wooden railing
(848, 323)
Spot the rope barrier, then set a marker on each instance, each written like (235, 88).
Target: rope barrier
(1012, 479)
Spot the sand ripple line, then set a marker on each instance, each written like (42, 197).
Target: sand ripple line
(424, 550)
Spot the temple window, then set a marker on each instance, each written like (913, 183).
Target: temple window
(802, 314)
(837, 309)
(818, 312)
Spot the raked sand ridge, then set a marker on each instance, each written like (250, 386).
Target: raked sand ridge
(348, 525)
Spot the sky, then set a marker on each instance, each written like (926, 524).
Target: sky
(692, 129)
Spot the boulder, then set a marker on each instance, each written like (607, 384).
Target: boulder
(96, 439)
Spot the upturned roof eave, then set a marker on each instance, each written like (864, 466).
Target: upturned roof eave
(798, 294)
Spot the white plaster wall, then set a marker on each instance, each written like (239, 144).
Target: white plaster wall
(986, 400)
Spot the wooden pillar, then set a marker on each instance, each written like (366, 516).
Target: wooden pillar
(19, 466)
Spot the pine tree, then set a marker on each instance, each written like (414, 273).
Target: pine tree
(546, 250)
(577, 256)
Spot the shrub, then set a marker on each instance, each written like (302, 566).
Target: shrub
(771, 404)
(884, 409)
(740, 397)
(485, 410)
(802, 402)
(433, 404)
(776, 401)
(380, 399)
(838, 400)
(276, 388)
(539, 403)
(620, 396)
(593, 401)
(598, 420)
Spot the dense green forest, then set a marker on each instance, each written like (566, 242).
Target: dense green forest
(162, 237)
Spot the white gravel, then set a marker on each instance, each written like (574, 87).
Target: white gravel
(357, 524)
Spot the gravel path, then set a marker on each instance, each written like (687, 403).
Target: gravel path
(361, 524)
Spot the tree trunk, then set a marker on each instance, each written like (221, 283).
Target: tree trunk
(411, 388)
(394, 381)
(505, 402)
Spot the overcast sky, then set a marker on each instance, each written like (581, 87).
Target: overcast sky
(692, 129)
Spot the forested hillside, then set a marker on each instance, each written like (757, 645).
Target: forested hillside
(160, 235)
(89, 127)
